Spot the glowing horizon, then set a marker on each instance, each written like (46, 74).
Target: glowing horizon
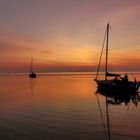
(67, 35)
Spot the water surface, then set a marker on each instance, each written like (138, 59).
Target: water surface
(61, 107)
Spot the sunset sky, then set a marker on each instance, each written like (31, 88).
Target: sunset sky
(67, 35)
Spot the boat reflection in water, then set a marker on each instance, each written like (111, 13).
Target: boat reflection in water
(119, 98)
(112, 98)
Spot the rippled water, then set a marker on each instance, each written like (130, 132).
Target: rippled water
(62, 107)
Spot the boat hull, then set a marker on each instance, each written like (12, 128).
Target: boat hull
(110, 86)
(32, 75)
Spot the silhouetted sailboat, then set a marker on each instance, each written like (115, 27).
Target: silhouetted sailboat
(118, 84)
(32, 73)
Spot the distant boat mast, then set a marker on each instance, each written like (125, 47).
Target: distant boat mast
(31, 67)
(32, 73)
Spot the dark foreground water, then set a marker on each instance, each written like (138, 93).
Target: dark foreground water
(63, 107)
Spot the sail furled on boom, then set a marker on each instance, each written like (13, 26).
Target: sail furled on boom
(112, 74)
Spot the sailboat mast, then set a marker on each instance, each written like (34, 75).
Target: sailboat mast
(31, 69)
(106, 65)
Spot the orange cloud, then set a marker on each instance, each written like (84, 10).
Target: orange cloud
(59, 55)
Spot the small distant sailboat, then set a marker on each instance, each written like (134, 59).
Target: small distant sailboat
(32, 73)
(118, 84)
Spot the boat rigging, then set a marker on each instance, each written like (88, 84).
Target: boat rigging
(118, 83)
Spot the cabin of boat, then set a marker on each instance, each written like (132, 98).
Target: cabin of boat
(118, 86)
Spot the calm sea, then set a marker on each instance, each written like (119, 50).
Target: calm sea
(64, 107)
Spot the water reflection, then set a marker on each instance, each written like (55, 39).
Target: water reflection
(118, 99)
(32, 85)
(62, 107)
(114, 99)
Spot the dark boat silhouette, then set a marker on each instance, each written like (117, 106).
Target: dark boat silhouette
(117, 84)
(120, 98)
(32, 73)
